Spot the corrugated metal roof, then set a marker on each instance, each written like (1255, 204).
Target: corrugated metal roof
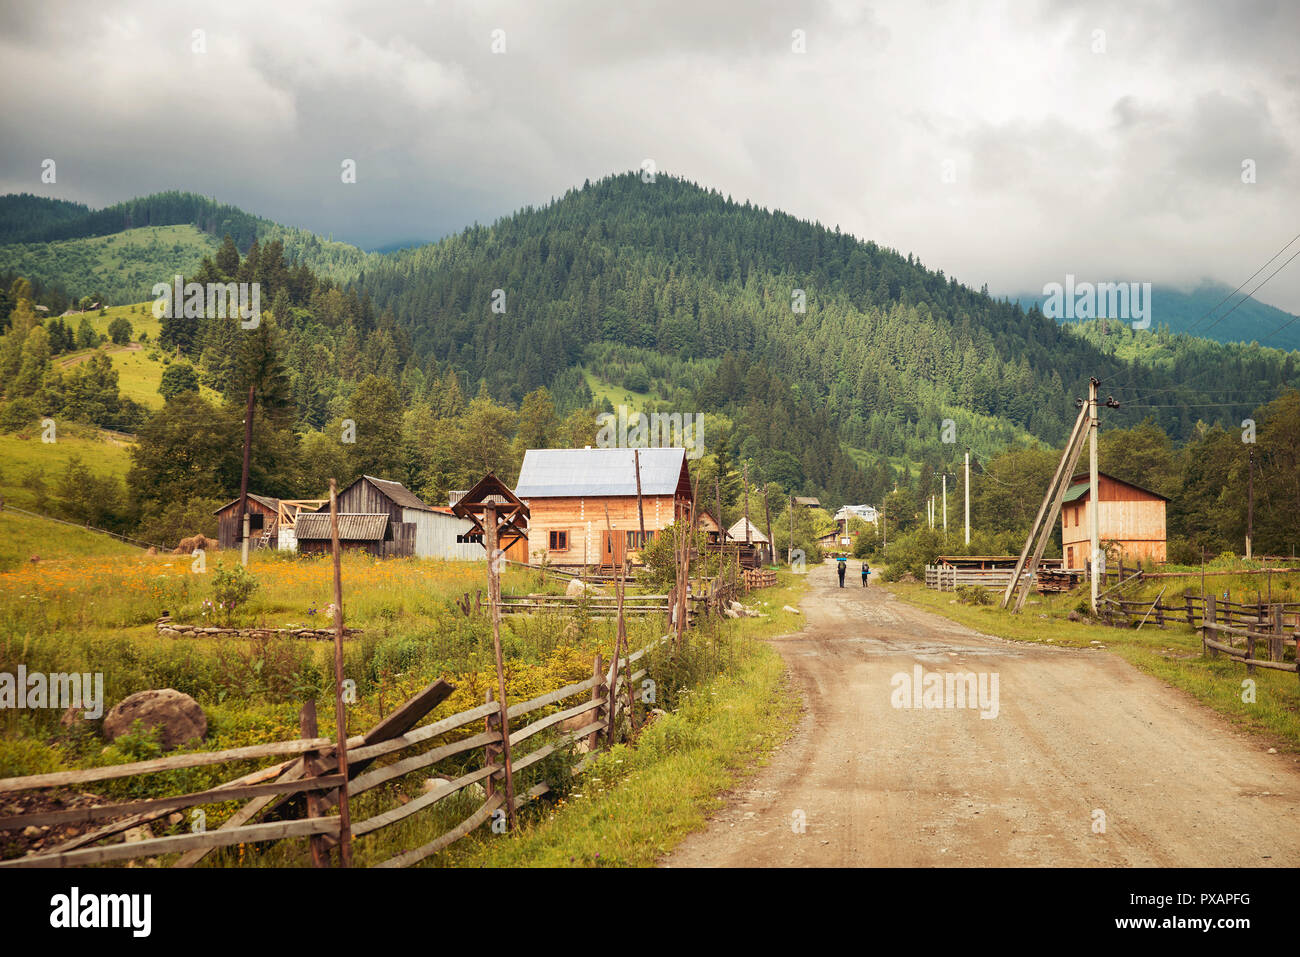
(551, 473)
(397, 492)
(1076, 491)
(807, 500)
(353, 526)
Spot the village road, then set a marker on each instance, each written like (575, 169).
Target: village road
(1077, 735)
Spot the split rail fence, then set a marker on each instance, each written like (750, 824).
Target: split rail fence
(1274, 638)
(311, 770)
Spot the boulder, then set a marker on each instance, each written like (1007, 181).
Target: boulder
(789, 608)
(179, 716)
(577, 587)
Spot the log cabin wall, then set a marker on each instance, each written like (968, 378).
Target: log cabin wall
(582, 520)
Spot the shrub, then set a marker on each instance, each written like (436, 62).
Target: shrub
(232, 589)
(974, 595)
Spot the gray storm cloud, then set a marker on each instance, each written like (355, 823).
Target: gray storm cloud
(1008, 144)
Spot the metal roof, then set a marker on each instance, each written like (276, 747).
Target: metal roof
(265, 500)
(737, 533)
(555, 473)
(398, 493)
(353, 526)
(1082, 485)
(807, 500)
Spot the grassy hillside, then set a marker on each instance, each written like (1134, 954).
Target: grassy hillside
(23, 537)
(117, 269)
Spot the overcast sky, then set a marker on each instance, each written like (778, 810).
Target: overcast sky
(1006, 144)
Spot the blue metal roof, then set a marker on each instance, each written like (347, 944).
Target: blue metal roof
(556, 473)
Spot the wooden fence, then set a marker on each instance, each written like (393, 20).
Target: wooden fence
(311, 770)
(1274, 638)
(758, 578)
(1192, 610)
(601, 606)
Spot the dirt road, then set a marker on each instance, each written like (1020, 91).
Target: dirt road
(1077, 735)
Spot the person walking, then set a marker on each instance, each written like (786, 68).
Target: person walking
(842, 564)
(866, 570)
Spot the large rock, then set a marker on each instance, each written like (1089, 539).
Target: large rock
(179, 716)
(578, 587)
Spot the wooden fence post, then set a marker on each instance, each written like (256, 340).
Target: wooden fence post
(1207, 619)
(1276, 637)
(320, 856)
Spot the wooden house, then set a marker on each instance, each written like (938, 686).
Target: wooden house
(569, 492)
(806, 501)
(706, 523)
(1131, 519)
(263, 521)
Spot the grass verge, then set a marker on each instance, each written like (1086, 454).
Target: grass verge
(1173, 655)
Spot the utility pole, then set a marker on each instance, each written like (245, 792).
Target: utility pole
(767, 514)
(1094, 506)
(243, 482)
(968, 496)
(789, 549)
(1250, 509)
(744, 474)
(945, 506)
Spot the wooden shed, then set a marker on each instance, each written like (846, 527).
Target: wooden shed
(569, 492)
(263, 515)
(407, 526)
(1130, 518)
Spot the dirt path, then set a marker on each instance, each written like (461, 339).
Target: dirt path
(1076, 732)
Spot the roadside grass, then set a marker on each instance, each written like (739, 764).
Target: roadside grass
(1173, 655)
(638, 800)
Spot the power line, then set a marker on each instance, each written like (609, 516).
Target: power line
(1239, 288)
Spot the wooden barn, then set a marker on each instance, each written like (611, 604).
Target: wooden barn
(1130, 518)
(263, 522)
(569, 490)
(377, 516)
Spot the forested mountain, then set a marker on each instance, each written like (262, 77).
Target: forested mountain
(57, 245)
(1213, 311)
(885, 348)
(830, 363)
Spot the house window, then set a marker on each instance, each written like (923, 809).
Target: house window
(559, 541)
(637, 540)
(470, 539)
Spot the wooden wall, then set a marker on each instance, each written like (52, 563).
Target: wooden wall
(584, 521)
(1133, 519)
(230, 523)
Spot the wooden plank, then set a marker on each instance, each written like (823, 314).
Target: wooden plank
(568, 691)
(456, 833)
(211, 796)
(409, 714)
(190, 760)
(550, 720)
(378, 776)
(274, 831)
(450, 723)
(433, 797)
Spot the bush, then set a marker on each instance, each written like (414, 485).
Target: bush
(232, 589)
(974, 595)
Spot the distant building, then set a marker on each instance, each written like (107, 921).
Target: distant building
(1130, 517)
(569, 493)
(805, 501)
(386, 518)
(263, 518)
(737, 533)
(867, 513)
